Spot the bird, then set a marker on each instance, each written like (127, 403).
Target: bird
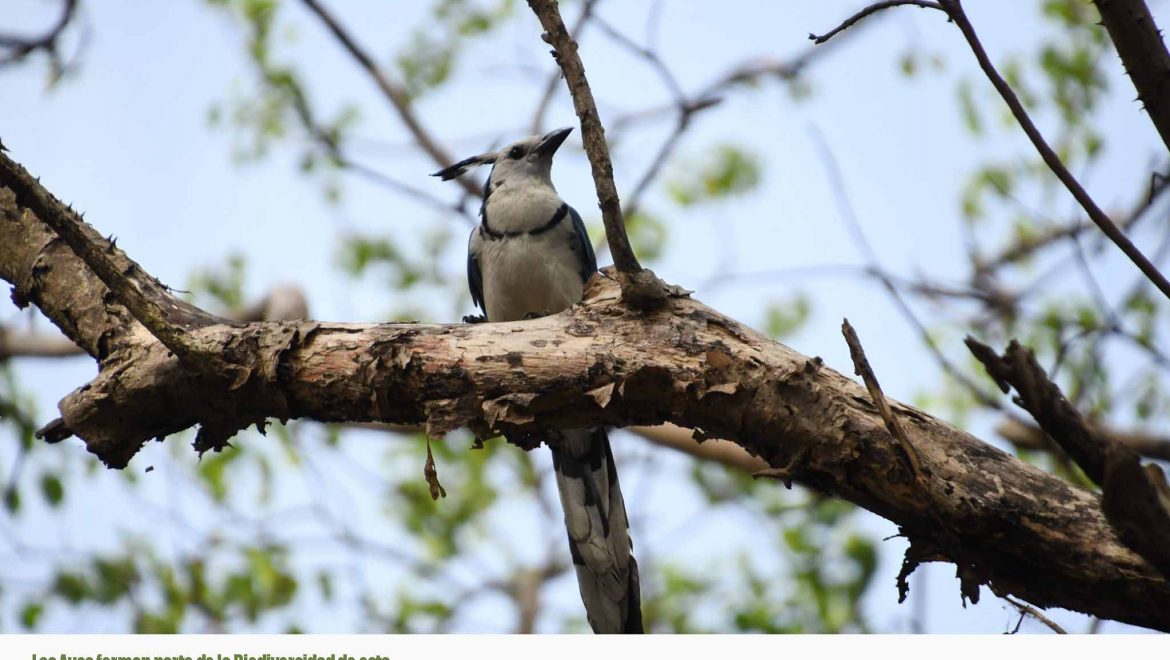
(530, 256)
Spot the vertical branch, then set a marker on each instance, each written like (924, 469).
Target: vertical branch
(592, 132)
(1139, 45)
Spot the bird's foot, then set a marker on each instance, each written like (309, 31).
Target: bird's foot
(475, 318)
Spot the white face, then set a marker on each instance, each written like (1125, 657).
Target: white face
(519, 161)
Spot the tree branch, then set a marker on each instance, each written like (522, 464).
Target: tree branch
(1030, 437)
(640, 287)
(954, 10)
(395, 94)
(867, 12)
(1011, 526)
(145, 297)
(1139, 44)
(592, 132)
(1136, 500)
(19, 47)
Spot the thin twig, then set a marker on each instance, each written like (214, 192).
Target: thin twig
(19, 47)
(592, 132)
(391, 90)
(861, 368)
(954, 9)
(1027, 609)
(869, 11)
(845, 209)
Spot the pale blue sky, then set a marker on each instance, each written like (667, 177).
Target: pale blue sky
(128, 141)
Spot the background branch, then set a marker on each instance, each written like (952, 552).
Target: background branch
(954, 10)
(394, 93)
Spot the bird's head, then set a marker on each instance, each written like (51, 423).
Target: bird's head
(530, 158)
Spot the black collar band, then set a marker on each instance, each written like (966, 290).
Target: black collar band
(496, 235)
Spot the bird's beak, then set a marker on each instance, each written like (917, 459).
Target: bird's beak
(552, 141)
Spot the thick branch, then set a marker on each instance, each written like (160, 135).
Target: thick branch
(1136, 499)
(1025, 532)
(145, 297)
(1139, 44)
(1009, 525)
(44, 271)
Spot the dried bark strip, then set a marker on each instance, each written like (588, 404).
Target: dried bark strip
(1023, 532)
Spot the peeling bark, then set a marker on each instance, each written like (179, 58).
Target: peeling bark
(1006, 524)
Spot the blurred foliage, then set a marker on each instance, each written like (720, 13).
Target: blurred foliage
(728, 171)
(312, 518)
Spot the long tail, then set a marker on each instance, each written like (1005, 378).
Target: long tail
(599, 534)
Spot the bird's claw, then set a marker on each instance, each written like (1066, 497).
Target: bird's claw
(475, 318)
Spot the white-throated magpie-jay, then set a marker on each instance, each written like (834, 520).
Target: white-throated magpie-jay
(531, 256)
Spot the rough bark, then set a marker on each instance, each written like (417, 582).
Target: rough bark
(1006, 524)
(1139, 45)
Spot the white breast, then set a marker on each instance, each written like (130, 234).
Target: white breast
(530, 275)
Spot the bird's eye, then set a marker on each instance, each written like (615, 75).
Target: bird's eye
(516, 152)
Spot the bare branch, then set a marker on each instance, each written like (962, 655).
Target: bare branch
(1030, 437)
(146, 298)
(592, 132)
(723, 452)
(690, 365)
(869, 11)
(853, 225)
(1139, 43)
(14, 343)
(19, 47)
(550, 86)
(954, 10)
(391, 90)
(1136, 499)
(861, 368)
(1026, 609)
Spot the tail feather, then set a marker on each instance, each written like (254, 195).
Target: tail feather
(599, 536)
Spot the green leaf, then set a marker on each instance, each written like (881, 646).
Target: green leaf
(52, 489)
(30, 614)
(782, 319)
(12, 499)
(729, 170)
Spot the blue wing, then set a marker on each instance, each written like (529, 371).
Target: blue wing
(474, 276)
(583, 247)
